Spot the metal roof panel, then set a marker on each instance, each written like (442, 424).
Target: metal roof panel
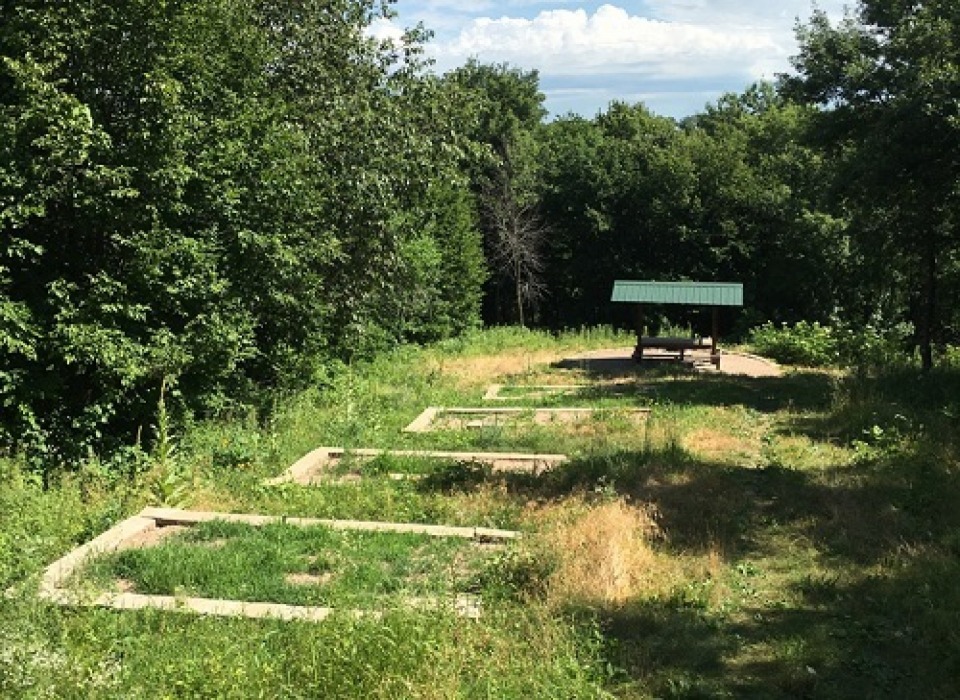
(689, 293)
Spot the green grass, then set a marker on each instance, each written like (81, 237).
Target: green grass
(810, 541)
(244, 562)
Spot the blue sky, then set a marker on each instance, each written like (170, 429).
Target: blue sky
(675, 56)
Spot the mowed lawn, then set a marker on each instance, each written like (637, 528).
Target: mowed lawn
(777, 537)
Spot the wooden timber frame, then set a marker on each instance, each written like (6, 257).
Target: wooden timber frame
(711, 294)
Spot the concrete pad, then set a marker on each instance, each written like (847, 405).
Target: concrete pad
(463, 606)
(310, 468)
(53, 585)
(532, 391)
(174, 516)
(62, 569)
(422, 422)
(216, 607)
(461, 417)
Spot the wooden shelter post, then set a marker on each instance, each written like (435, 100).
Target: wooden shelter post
(638, 326)
(714, 332)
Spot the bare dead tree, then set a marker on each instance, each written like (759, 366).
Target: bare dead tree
(516, 245)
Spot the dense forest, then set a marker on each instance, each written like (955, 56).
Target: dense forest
(224, 200)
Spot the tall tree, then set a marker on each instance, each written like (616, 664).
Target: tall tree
(887, 81)
(507, 112)
(759, 205)
(226, 193)
(616, 193)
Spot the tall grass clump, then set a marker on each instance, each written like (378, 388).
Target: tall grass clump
(604, 555)
(501, 338)
(39, 524)
(586, 554)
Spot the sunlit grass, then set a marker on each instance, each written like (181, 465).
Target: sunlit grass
(775, 537)
(298, 566)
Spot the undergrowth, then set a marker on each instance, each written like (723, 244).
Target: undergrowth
(755, 537)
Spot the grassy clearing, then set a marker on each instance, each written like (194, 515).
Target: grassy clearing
(298, 566)
(765, 538)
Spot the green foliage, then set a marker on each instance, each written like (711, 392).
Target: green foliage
(872, 347)
(520, 573)
(228, 194)
(809, 520)
(39, 524)
(506, 107)
(732, 194)
(875, 346)
(804, 343)
(885, 81)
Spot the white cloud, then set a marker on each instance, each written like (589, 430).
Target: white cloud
(573, 42)
(385, 30)
(780, 14)
(699, 48)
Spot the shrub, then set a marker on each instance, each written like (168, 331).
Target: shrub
(873, 345)
(803, 344)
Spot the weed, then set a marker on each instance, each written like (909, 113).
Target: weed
(806, 522)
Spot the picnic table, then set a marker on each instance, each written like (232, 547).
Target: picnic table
(676, 347)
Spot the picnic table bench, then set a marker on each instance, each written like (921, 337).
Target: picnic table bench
(675, 346)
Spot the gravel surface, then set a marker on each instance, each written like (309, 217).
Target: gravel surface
(619, 361)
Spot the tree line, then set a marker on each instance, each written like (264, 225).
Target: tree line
(226, 197)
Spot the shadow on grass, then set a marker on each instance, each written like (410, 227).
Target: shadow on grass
(899, 404)
(802, 391)
(859, 513)
(858, 563)
(889, 635)
(871, 609)
(874, 638)
(807, 391)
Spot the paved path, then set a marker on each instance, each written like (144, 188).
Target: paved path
(619, 361)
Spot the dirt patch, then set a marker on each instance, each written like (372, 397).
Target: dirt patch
(304, 579)
(619, 362)
(460, 422)
(152, 537)
(124, 585)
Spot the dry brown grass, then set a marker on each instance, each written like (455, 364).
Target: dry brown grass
(472, 371)
(305, 579)
(712, 444)
(604, 554)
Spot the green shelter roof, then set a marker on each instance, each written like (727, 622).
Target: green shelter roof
(690, 293)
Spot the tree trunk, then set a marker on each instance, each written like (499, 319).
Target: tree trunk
(928, 304)
(519, 287)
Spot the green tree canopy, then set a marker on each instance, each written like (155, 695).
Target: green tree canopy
(227, 194)
(887, 81)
